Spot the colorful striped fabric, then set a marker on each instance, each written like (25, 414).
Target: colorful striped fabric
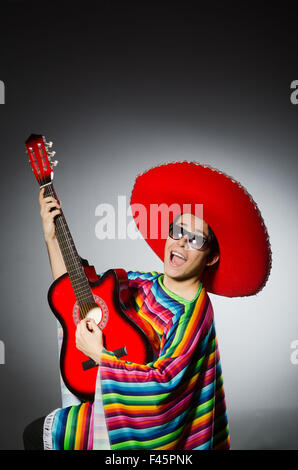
(72, 428)
(175, 402)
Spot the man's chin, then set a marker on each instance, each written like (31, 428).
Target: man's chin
(175, 273)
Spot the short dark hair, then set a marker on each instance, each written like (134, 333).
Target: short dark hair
(212, 241)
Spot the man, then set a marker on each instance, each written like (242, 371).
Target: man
(177, 401)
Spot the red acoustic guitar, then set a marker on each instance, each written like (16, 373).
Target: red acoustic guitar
(82, 293)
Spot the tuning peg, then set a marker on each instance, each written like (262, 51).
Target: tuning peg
(51, 154)
(54, 163)
(49, 144)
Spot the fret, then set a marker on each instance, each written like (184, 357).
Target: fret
(66, 243)
(75, 276)
(80, 283)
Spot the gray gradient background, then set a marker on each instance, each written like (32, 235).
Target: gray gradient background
(120, 89)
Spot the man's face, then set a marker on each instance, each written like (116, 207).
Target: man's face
(182, 262)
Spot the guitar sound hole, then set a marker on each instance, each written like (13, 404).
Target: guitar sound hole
(100, 314)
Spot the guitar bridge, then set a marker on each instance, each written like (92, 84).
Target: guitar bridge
(90, 363)
(120, 352)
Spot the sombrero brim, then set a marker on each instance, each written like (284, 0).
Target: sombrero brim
(245, 251)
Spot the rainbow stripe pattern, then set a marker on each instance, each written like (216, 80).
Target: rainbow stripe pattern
(73, 428)
(177, 401)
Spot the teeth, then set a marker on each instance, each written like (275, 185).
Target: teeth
(178, 254)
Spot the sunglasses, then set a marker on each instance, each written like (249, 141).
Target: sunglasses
(195, 241)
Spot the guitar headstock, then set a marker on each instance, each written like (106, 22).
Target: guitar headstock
(40, 158)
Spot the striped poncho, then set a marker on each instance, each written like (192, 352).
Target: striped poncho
(176, 402)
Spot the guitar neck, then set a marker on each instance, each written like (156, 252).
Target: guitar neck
(70, 255)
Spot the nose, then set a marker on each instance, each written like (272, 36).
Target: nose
(183, 242)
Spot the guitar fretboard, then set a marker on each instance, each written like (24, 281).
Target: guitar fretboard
(71, 257)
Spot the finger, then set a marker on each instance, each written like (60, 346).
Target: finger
(49, 200)
(91, 322)
(47, 209)
(86, 320)
(41, 193)
(83, 326)
(53, 213)
(45, 200)
(50, 205)
(94, 327)
(88, 325)
(48, 217)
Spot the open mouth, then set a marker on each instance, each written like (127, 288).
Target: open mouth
(177, 259)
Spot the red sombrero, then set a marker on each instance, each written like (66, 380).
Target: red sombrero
(231, 212)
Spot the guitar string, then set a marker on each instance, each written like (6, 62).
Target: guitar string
(70, 259)
(72, 262)
(76, 272)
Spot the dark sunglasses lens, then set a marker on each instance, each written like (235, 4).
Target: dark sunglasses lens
(197, 241)
(175, 232)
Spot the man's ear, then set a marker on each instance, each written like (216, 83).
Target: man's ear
(212, 259)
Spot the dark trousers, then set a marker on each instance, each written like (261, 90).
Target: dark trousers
(33, 435)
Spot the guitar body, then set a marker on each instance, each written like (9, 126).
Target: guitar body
(119, 330)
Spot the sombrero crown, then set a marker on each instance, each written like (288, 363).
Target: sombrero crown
(231, 212)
